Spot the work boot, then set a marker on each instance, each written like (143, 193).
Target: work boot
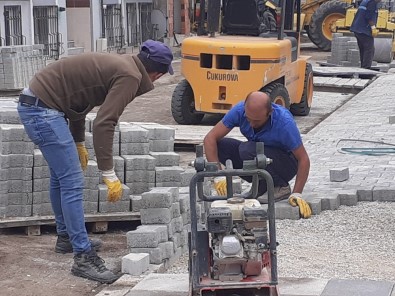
(89, 265)
(280, 193)
(63, 244)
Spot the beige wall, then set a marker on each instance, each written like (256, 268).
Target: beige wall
(78, 27)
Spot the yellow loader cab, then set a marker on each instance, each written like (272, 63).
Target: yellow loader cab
(250, 53)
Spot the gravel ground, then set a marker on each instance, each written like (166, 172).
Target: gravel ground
(351, 243)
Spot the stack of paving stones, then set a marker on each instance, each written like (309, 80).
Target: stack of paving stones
(16, 173)
(345, 51)
(18, 64)
(144, 158)
(165, 223)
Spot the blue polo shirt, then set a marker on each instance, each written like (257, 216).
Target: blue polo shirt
(279, 131)
(367, 11)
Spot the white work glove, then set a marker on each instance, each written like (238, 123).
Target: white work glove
(113, 184)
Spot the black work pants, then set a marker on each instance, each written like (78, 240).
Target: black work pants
(282, 170)
(366, 49)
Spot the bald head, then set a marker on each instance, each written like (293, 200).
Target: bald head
(257, 108)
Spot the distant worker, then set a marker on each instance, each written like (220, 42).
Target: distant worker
(364, 28)
(260, 120)
(53, 110)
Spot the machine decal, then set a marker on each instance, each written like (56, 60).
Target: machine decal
(190, 57)
(222, 76)
(264, 61)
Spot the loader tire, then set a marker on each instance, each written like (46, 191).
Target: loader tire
(278, 93)
(322, 22)
(303, 107)
(183, 105)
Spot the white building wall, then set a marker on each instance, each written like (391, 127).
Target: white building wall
(27, 19)
(79, 27)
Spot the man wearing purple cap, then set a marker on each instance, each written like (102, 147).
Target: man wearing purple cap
(69, 89)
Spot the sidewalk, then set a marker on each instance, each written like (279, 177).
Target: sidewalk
(371, 178)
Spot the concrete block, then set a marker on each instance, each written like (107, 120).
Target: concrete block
(284, 210)
(391, 119)
(13, 133)
(132, 133)
(158, 132)
(139, 162)
(166, 158)
(92, 169)
(158, 198)
(348, 198)
(41, 197)
(135, 202)
(147, 236)
(168, 174)
(139, 187)
(91, 195)
(330, 202)
(91, 207)
(14, 199)
(357, 287)
(92, 182)
(161, 145)
(18, 211)
(16, 160)
(19, 186)
(134, 149)
(155, 216)
(365, 195)
(41, 172)
(184, 203)
(167, 249)
(20, 173)
(162, 284)
(155, 254)
(140, 176)
(41, 184)
(314, 203)
(175, 210)
(186, 177)
(16, 147)
(383, 194)
(114, 207)
(43, 209)
(301, 286)
(135, 263)
(168, 184)
(339, 175)
(38, 159)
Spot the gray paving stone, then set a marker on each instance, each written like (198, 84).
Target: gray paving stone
(162, 285)
(139, 162)
(383, 194)
(339, 174)
(338, 287)
(135, 263)
(301, 286)
(147, 236)
(158, 197)
(166, 158)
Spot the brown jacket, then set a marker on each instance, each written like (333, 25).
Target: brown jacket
(77, 84)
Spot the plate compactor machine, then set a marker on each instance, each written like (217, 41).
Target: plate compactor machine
(232, 251)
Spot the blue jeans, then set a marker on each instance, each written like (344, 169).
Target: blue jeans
(282, 170)
(48, 129)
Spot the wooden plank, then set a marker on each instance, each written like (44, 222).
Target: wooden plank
(333, 81)
(100, 227)
(319, 81)
(351, 83)
(50, 220)
(186, 134)
(349, 71)
(33, 230)
(362, 83)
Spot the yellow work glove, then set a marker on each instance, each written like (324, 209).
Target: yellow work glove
(114, 186)
(220, 185)
(296, 200)
(83, 154)
(375, 31)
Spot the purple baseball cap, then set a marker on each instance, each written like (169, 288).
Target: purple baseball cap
(158, 52)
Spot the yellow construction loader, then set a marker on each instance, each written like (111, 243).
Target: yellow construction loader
(318, 17)
(222, 66)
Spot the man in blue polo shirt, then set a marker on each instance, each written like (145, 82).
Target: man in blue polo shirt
(261, 121)
(364, 29)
